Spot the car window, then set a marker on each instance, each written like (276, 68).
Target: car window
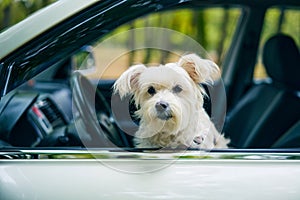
(277, 20)
(50, 102)
(204, 26)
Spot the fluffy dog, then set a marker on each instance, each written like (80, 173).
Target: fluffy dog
(169, 99)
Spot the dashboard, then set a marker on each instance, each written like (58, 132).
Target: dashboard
(37, 114)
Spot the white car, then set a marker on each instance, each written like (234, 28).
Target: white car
(65, 135)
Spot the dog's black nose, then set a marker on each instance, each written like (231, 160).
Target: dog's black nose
(161, 106)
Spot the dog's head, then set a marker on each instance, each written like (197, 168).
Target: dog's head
(167, 95)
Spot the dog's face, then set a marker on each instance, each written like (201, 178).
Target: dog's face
(167, 95)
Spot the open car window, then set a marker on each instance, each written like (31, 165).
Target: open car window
(55, 112)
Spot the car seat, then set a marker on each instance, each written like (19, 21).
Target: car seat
(267, 110)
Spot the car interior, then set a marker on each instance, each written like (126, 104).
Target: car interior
(51, 110)
(270, 106)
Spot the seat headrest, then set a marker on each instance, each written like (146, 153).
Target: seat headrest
(281, 58)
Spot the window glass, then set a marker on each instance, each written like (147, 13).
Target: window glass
(277, 20)
(204, 26)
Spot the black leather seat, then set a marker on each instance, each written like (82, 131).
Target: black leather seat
(268, 110)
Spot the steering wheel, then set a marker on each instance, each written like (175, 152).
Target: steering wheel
(95, 114)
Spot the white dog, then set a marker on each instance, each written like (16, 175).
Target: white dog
(170, 103)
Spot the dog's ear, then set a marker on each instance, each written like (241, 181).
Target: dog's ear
(127, 83)
(200, 70)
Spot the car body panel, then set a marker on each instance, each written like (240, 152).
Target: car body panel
(189, 176)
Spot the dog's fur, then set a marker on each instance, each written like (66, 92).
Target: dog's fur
(169, 99)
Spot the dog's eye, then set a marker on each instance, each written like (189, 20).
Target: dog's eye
(177, 89)
(151, 90)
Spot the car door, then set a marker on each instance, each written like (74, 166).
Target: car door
(89, 172)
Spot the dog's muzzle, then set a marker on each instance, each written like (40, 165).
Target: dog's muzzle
(163, 110)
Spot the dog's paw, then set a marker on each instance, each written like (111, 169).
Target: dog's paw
(198, 140)
(203, 142)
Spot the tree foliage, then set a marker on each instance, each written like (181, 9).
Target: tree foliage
(13, 11)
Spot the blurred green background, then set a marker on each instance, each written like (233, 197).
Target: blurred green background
(13, 11)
